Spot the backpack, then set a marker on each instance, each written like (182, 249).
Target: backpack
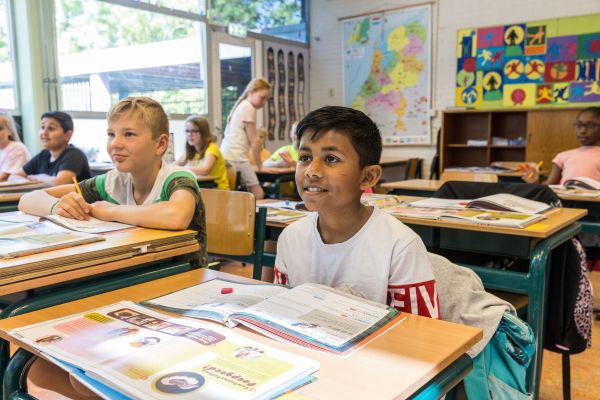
(570, 304)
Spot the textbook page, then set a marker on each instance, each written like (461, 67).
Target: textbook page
(471, 215)
(23, 239)
(93, 225)
(509, 202)
(559, 189)
(316, 314)
(284, 215)
(147, 355)
(215, 299)
(582, 182)
(432, 202)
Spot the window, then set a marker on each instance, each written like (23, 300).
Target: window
(107, 52)
(8, 89)
(281, 18)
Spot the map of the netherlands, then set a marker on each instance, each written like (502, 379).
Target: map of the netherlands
(387, 70)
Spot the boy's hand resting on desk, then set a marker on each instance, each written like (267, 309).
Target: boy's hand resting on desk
(72, 205)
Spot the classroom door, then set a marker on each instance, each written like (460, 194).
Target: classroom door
(233, 68)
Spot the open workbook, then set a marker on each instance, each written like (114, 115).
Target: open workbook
(126, 351)
(310, 315)
(496, 202)
(21, 239)
(92, 225)
(467, 215)
(580, 186)
(283, 211)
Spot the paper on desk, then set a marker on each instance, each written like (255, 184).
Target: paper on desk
(93, 225)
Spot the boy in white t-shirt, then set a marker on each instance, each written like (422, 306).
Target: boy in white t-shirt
(345, 244)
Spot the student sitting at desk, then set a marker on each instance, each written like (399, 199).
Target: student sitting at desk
(264, 153)
(582, 161)
(345, 244)
(59, 162)
(202, 155)
(141, 190)
(13, 153)
(285, 156)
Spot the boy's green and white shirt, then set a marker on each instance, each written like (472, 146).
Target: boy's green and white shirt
(117, 188)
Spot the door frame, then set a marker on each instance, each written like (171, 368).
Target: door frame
(217, 38)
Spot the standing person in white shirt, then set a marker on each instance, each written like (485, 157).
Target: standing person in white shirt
(241, 136)
(13, 153)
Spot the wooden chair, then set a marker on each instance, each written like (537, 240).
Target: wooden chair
(232, 176)
(235, 230)
(468, 176)
(414, 168)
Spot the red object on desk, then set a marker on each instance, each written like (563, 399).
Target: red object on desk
(226, 290)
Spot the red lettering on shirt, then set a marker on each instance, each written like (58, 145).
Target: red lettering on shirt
(417, 298)
(280, 279)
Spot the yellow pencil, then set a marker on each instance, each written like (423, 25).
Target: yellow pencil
(77, 186)
(537, 168)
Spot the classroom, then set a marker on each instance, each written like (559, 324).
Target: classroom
(409, 188)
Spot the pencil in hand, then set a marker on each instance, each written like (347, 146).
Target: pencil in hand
(77, 186)
(537, 169)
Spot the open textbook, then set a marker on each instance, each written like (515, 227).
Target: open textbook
(561, 190)
(93, 225)
(497, 202)
(310, 315)
(581, 182)
(283, 211)
(29, 238)
(128, 351)
(480, 217)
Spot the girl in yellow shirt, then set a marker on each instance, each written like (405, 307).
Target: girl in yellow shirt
(202, 155)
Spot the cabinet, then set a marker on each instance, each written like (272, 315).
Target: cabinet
(480, 137)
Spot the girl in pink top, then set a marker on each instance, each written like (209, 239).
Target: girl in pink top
(582, 161)
(13, 153)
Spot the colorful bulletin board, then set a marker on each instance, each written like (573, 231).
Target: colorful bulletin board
(535, 64)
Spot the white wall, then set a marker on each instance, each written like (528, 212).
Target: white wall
(448, 17)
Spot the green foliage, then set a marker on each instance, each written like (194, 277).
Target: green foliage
(256, 14)
(184, 101)
(4, 50)
(85, 25)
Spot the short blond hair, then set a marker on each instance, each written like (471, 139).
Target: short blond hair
(149, 111)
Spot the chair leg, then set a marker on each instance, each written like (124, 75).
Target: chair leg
(15, 377)
(566, 376)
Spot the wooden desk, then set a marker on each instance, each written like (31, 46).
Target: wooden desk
(393, 168)
(207, 182)
(533, 243)
(413, 187)
(591, 204)
(395, 365)
(10, 201)
(10, 194)
(96, 268)
(275, 177)
(120, 250)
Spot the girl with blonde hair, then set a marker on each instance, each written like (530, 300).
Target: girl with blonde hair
(13, 153)
(241, 135)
